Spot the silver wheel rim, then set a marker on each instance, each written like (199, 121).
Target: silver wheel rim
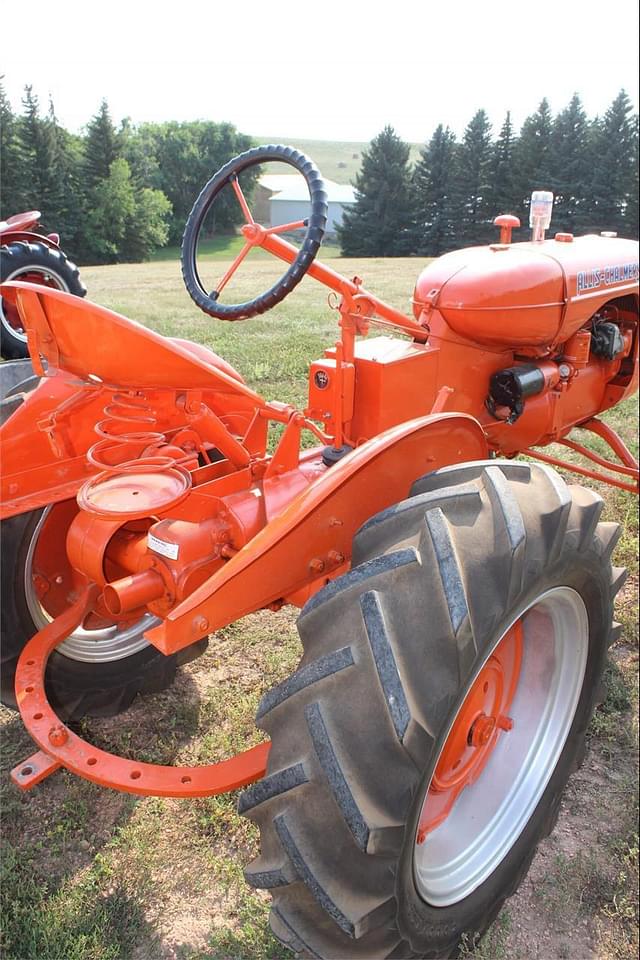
(490, 814)
(89, 646)
(60, 284)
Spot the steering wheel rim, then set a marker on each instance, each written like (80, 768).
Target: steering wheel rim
(316, 224)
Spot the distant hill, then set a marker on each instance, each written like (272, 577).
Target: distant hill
(337, 160)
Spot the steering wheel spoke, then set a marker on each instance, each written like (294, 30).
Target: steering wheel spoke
(287, 227)
(244, 206)
(314, 226)
(221, 284)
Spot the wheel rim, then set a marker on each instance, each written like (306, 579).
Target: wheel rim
(9, 315)
(459, 846)
(101, 645)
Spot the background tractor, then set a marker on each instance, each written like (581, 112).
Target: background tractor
(37, 258)
(456, 602)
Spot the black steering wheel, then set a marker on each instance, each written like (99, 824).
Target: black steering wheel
(315, 227)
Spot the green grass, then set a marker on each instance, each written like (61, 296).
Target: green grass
(89, 874)
(225, 248)
(337, 160)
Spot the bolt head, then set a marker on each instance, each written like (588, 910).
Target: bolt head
(482, 730)
(58, 735)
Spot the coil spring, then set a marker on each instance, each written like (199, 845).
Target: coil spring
(124, 411)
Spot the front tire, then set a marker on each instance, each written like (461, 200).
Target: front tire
(393, 653)
(36, 263)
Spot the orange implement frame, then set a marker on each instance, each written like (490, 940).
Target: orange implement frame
(627, 468)
(61, 747)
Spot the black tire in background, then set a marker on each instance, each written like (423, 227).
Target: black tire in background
(76, 687)
(20, 259)
(391, 650)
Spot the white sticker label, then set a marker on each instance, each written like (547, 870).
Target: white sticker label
(165, 549)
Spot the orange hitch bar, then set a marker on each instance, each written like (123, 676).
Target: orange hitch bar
(61, 747)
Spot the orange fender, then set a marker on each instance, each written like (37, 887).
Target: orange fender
(310, 541)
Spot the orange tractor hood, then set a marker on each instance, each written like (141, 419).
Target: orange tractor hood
(526, 294)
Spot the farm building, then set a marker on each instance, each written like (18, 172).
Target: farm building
(283, 198)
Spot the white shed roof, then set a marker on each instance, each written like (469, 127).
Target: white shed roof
(293, 187)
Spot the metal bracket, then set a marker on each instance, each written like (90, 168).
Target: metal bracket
(61, 747)
(628, 467)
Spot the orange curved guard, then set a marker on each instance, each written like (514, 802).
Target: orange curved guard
(60, 746)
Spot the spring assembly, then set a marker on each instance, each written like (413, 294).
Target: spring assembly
(126, 434)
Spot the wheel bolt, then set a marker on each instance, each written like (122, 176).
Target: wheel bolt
(504, 723)
(481, 731)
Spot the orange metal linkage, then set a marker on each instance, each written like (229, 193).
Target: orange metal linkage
(61, 747)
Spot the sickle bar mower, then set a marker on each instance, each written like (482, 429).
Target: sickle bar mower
(456, 602)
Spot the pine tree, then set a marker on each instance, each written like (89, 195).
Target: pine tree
(67, 213)
(631, 224)
(614, 183)
(503, 193)
(434, 207)
(475, 156)
(32, 150)
(102, 147)
(533, 163)
(10, 188)
(570, 166)
(378, 224)
(41, 172)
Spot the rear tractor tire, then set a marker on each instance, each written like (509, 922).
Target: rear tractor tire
(421, 748)
(36, 263)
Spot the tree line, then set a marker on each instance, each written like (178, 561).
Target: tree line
(113, 193)
(449, 198)
(117, 192)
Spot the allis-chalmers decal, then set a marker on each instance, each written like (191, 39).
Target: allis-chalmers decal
(606, 276)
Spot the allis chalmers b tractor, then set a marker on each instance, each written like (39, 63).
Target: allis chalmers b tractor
(456, 602)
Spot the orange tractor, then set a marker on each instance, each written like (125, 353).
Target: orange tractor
(456, 602)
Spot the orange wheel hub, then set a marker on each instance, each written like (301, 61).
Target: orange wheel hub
(475, 731)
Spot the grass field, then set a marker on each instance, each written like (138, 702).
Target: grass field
(89, 874)
(337, 160)
(226, 247)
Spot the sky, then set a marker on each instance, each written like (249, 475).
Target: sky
(334, 70)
